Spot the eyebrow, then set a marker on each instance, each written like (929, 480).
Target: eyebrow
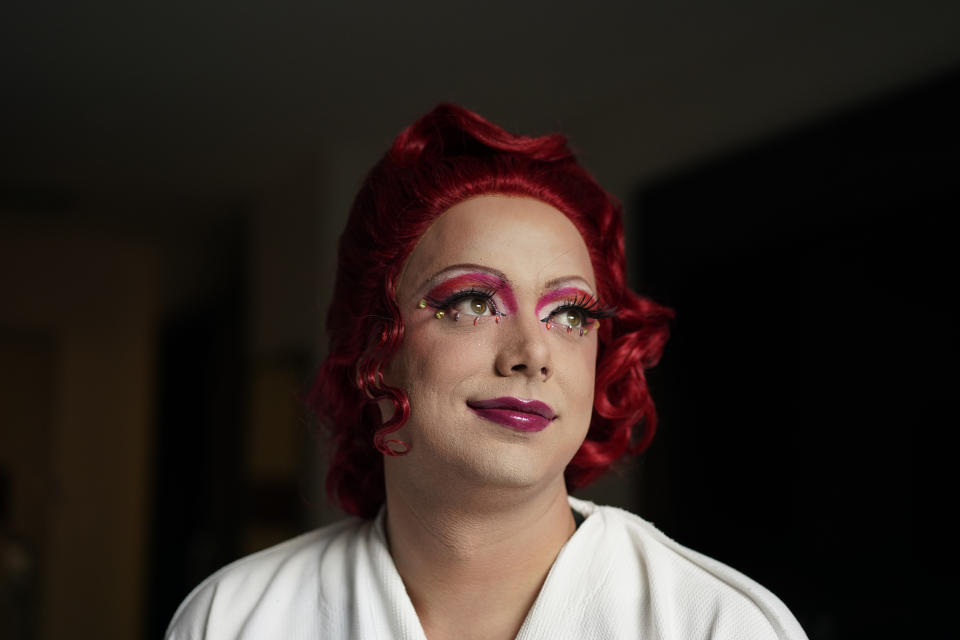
(465, 266)
(550, 284)
(556, 282)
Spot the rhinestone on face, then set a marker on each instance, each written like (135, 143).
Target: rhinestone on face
(438, 315)
(422, 304)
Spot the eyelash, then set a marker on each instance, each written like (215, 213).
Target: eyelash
(588, 306)
(466, 294)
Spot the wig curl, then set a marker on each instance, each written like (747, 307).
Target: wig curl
(446, 157)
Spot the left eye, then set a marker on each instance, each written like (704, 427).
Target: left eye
(473, 305)
(573, 318)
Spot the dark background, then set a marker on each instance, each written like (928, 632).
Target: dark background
(807, 379)
(173, 179)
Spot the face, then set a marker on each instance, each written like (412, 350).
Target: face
(499, 352)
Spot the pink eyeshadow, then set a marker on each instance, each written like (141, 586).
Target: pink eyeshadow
(557, 294)
(479, 281)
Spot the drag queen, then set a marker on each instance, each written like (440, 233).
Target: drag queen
(486, 358)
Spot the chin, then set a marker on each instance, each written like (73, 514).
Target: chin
(507, 469)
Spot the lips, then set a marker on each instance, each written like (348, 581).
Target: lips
(515, 413)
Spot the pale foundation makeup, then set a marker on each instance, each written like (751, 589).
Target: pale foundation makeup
(493, 300)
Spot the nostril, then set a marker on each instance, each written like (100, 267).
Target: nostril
(518, 367)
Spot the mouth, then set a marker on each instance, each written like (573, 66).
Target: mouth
(515, 413)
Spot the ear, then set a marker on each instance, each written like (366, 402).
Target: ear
(386, 409)
(385, 405)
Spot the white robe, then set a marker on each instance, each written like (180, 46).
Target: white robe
(616, 577)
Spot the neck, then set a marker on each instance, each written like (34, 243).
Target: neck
(473, 563)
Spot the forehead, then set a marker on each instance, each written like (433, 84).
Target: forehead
(529, 240)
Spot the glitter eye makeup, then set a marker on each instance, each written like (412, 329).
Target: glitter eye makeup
(479, 295)
(479, 281)
(471, 295)
(578, 312)
(570, 293)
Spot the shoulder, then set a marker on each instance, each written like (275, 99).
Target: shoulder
(268, 585)
(687, 593)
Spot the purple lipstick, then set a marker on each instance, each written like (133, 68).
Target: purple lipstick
(522, 415)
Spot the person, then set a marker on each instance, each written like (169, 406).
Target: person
(486, 358)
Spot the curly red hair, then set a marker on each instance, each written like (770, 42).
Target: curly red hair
(445, 157)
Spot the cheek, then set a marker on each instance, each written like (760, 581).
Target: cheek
(578, 371)
(413, 370)
(432, 362)
(436, 370)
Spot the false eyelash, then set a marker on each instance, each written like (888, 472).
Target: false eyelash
(457, 296)
(587, 304)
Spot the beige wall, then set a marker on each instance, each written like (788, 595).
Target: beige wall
(94, 299)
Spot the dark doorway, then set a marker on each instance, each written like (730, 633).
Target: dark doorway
(811, 276)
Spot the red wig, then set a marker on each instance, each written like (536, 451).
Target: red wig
(445, 157)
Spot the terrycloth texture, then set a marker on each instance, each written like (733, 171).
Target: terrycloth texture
(617, 577)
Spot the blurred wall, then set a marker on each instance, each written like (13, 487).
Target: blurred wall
(77, 330)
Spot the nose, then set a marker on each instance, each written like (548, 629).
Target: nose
(524, 349)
